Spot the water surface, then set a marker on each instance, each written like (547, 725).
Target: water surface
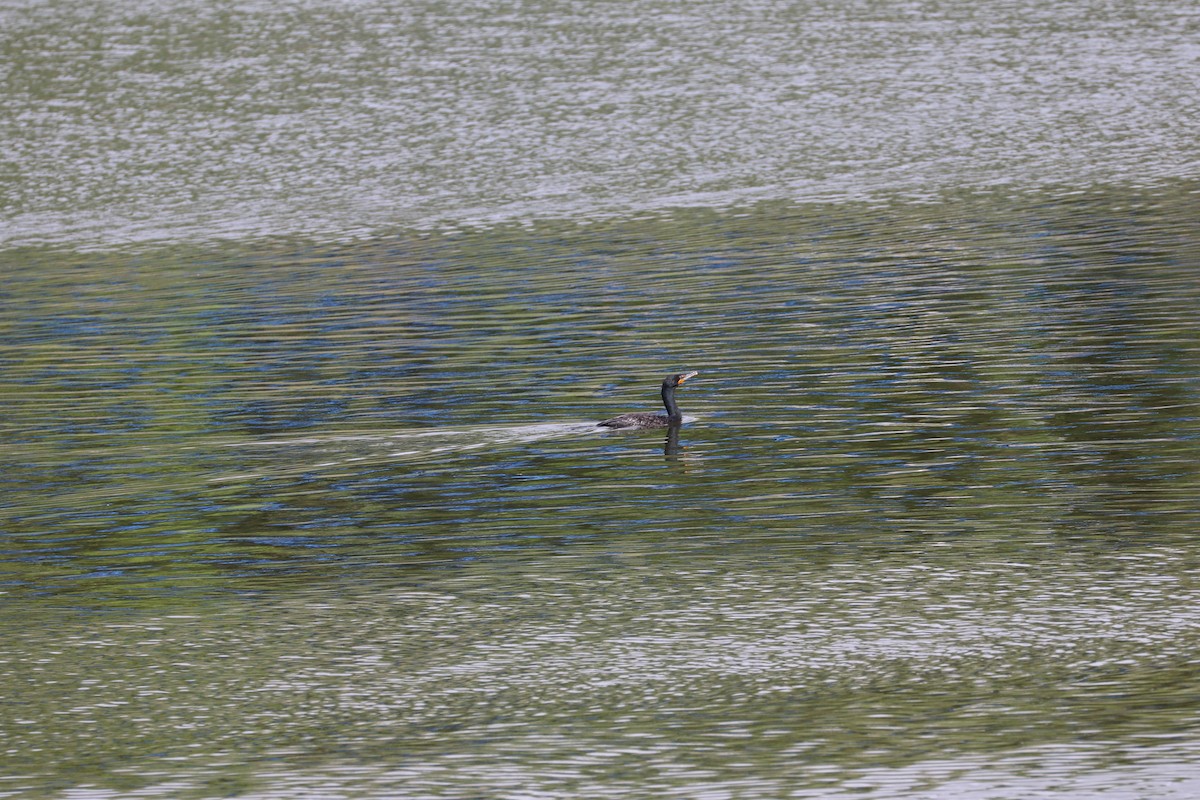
(156, 120)
(308, 312)
(341, 522)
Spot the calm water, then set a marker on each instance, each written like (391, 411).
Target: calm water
(301, 494)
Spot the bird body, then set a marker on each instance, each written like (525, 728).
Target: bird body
(644, 420)
(638, 420)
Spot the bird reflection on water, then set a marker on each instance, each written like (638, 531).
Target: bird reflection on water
(671, 445)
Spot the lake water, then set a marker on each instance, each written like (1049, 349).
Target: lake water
(309, 312)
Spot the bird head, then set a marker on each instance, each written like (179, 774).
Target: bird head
(676, 380)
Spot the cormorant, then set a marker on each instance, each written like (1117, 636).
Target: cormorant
(640, 420)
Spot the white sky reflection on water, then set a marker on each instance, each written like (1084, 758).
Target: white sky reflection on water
(339, 121)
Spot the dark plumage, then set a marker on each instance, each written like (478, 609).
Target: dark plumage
(672, 417)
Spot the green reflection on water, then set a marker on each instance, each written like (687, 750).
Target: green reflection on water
(313, 507)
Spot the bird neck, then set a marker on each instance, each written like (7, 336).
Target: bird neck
(668, 396)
